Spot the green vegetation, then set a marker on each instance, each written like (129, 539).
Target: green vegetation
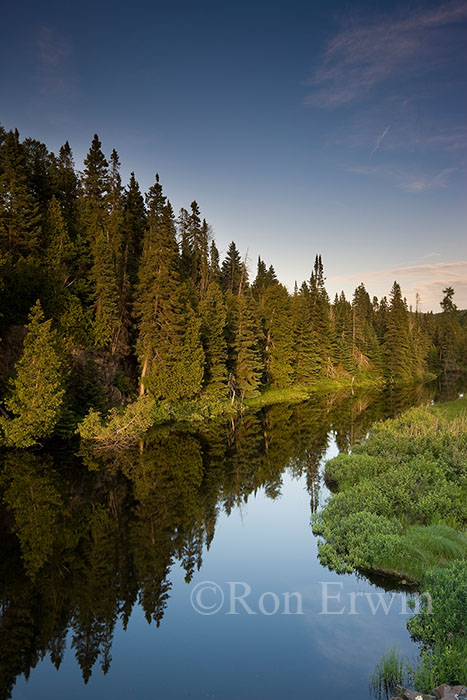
(140, 304)
(36, 393)
(401, 508)
(441, 628)
(401, 504)
(390, 672)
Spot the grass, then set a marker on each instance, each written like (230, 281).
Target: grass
(401, 501)
(390, 672)
(301, 392)
(452, 409)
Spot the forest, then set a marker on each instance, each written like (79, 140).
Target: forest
(115, 309)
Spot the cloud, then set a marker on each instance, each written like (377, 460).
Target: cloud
(428, 280)
(454, 269)
(366, 54)
(52, 73)
(380, 140)
(405, 180)
(419, 185)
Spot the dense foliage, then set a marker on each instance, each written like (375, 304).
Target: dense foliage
(401, 508)
(401, 504)
(139, 302)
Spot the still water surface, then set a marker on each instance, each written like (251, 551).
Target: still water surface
(100, 555)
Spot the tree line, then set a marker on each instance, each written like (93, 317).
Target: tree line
(120, 296)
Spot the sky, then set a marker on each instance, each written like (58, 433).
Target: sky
(336, 128)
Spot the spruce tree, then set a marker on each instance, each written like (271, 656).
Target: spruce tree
(365, 342)
(278, 330)
(321, 319)
(449, 333)
(342, 317)
(103, 275)
(19, 210)
(58, 247)
(159, 304)
(307, 361)
(233, 273)
(247, 367)
(37, 390)
(213, 315)
(397, 341)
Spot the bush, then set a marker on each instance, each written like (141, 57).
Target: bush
(441, 628)
(402, 498)
(121, 427)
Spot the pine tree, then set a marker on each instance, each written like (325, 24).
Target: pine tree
(233, 271)
(321, 319)
(365, 342)
(343, 321)
(247, 368)
(59, 249)
(213, 316)
(66, 184)
(397, 341)
(37, 391)
(307, 361)
(135, 224)
(19, 210)
(214, 269)
(159, 303)
(278, 330)
(103, 276)
(449, 333)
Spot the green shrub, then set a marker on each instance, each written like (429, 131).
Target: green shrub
(441, 627)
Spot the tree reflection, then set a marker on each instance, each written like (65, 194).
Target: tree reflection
(86, 537)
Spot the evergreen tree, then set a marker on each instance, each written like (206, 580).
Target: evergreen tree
(449, 333)
(397, 341)
(278, 330)
(246, 366)
(59, 249)
(37, 392)
(307, 361)
(214, 269)
(321, 319)
(103, 276)
(213, 316)
(233, 272)
(159, 305)
(365, 342)
(19, 210)
(343, 321)
(134, 226)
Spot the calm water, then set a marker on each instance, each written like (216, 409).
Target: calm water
(100, 555)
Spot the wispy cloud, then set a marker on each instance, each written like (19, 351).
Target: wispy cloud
(428, 183)
(427, 279)
(452, 269)
(380, 140)
(52, 72)
(405, 180)
(368, 54)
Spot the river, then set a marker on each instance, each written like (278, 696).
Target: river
(187, 568)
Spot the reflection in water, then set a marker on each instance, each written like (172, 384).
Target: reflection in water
(85, 538)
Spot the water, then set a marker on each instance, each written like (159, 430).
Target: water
(101, 555)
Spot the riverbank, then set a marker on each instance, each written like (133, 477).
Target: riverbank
(399, 507)
(123, 426)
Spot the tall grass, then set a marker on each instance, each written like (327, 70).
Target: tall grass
(391, 671)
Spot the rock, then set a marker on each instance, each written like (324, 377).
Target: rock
(442, 690)
(407, 694)
(459, 690)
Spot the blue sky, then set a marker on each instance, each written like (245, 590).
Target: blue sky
(301, 127)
